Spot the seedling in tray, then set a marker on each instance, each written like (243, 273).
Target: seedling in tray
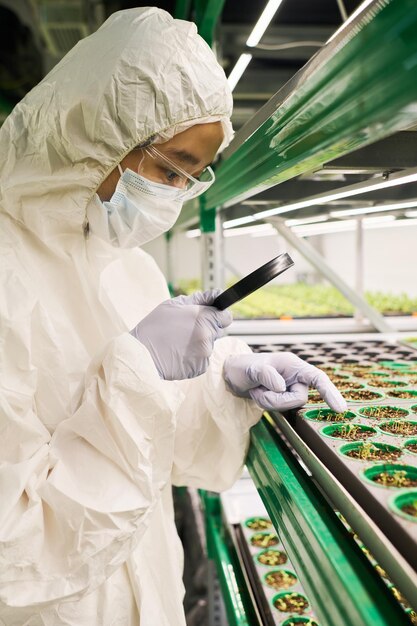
(290, 603)
(314, 397)
(361, 395)
(258, 523)
(272, 558)
(367, 451)
(327, 415)
(387, 384)
(353, 432)
(398, 476)
(349, 384)
(383, 412)
(280, 579)
(399, 427)
(264, 540)
(403, 393)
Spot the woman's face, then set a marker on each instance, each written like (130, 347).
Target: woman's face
(191, 150)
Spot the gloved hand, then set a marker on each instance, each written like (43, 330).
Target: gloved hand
(279, 381)
(180, 334)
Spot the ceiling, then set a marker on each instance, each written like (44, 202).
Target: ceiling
(35, 34)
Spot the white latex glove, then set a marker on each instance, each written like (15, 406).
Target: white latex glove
(279, 381)
(180, 334)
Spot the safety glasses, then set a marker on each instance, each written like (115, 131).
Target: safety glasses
(158, 168)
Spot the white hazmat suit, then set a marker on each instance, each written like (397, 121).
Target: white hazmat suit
(91, 438)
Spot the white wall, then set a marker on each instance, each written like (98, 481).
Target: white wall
(390, 262)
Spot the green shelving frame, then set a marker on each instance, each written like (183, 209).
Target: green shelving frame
(359, 88)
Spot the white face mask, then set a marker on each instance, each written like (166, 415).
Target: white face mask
(140, 210)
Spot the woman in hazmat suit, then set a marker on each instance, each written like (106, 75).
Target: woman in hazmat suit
(110, 391)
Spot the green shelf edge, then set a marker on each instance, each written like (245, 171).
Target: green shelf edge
(236, 599)
(341, 584)
(358, 89)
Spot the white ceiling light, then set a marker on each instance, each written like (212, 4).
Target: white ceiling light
(253, 40)
(375, 209)
(307, 220)
(236, 73)
(263, 22)
(380, 182)
(344, 226)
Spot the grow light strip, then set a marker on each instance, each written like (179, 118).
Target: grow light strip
(263, 23)
(400, 178)
(376, 209)
(236, 73)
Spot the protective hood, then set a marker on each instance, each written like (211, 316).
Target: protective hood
(142, 74)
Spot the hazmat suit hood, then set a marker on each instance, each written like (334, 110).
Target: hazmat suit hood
(143, 75)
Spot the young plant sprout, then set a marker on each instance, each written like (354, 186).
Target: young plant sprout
(280, 579)
(398, 478)
(383, 412)
(272, 557)
(264, 540)
(352, 432)
(399, 427)
(291, 603)
(368, 451)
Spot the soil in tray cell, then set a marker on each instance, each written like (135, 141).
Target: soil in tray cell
(348, 384)
(258, 523)
(367, 451)
(413, 408)
(314, 398)
(339, 378)
(291, 603)
(411, 445)
(351, 432)
(280, 579)
(384, 383)
(327, 415)
(394, 475)
(404, 394)
(296, 621)
(272, 558)
(405, 504)
(384, 412)
(361, 395)
(399, 427)
(264, 540)
(378, 375)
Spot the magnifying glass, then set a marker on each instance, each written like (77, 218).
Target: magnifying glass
(253, 281)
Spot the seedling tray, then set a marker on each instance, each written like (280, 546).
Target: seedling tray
(354, 473)
(271, 573)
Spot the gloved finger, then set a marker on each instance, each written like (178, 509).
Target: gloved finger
(219, 319)
(296, 396)
(328, 391)
(266, 376)
(203, 297)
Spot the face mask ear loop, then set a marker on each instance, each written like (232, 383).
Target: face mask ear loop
(141, 161)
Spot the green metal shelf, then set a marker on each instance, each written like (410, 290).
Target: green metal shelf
(340, 582)
(360, 87)
(239, 608)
